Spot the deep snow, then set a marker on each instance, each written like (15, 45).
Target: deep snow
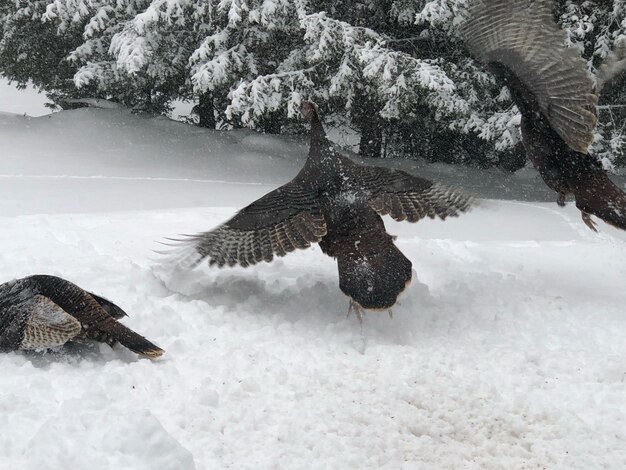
(507, 350)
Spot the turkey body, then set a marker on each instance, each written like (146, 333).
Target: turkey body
(39, 312)
(338, 204)
(372, 270)
(520, 43)
(568, 172)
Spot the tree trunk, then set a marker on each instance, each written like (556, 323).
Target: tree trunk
(206, 111)
(371, 142)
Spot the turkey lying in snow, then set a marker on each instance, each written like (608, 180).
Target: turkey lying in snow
(522, 45)
(338, 204)
(40, 312)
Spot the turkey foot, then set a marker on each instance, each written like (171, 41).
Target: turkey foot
(589, 221)
(360, 311)
(357, 309)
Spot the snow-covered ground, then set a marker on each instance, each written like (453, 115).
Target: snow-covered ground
(508, 349)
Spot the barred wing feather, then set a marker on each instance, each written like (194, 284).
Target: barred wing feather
(280, 222)
(407, 197)
(523, 37)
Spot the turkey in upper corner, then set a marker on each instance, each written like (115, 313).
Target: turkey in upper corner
(338, 204)
(41, 312)
(520, 43)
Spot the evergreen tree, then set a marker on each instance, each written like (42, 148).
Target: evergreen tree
(34, 50)
(392, 69)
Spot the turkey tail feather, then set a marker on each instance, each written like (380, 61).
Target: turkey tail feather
(374, 275)
(112, 309)
(522, 37)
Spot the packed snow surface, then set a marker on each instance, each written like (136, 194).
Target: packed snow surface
(508, 349)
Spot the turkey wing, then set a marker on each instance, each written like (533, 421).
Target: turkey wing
(278, 223)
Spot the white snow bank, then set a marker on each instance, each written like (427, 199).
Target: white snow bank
(101, 160)
(507, 350)
(27, 101)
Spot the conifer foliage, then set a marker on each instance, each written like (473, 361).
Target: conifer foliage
(394, 70)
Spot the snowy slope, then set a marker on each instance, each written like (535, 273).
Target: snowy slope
(507, 350)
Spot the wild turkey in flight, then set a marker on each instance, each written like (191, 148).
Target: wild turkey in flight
(40, 312)
(338, 204)
(522, 45)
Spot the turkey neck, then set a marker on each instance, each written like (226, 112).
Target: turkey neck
(317, 131)
(324, 168)
(334, 179)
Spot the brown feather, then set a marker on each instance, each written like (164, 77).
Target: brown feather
(522, 37)
(40, 311)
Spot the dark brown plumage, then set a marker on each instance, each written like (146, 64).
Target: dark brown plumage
(39, 312)
(338, 204)
(522, 45)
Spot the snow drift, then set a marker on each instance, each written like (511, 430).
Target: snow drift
(507, 350)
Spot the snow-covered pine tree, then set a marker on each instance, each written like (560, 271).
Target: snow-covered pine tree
(248, 39)
(42, 39)
(116, 27)
(189, 49)
(34, 50)
(350, 69)
(393, 69)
